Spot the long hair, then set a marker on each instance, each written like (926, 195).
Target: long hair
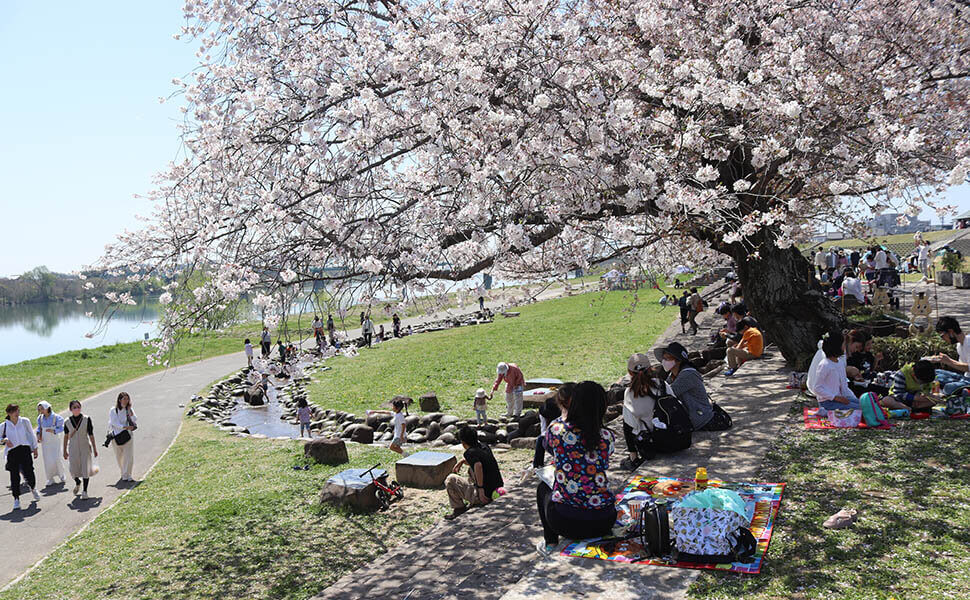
(644, 382)
(586, 410)
(118, 401)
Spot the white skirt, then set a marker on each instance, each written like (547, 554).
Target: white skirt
(53, 452)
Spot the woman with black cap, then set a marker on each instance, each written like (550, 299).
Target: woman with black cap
(686, 383)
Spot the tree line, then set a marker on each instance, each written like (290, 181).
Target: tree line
(40, 284)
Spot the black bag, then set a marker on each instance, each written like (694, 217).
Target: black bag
(655, 530)
(677, 434)
(720, 420)
(743, 552)
(122, 438)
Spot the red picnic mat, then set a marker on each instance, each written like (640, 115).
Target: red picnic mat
(814, 421)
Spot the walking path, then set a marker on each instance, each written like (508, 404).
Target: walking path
(156, 399)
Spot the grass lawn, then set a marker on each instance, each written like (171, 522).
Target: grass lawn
(589, 336)
(206, 524)
(911, 486)
(77, 374)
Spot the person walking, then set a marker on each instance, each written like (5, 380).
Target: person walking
(265, 342)
(79, 445)
(122, 422)
(248, 347)
(49, 426)
(331, 328)
(367, 329)
(396, 320)
(923, 259)
(481, 303)
(19, 450)
(514, 380)
(694, 307)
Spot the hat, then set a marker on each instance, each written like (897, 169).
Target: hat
(480, 393)
(675, 350)
(638, 362)
(502, 368)
(44, 404)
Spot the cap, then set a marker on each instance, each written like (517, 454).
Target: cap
(638, 362)
(480, 393)
(502, 368)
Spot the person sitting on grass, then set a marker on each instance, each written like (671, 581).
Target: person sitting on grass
(397, 442)
(580, 504)
(912, 387)
(831, 385)
(956, 374)
(484, 477)
(752, 345)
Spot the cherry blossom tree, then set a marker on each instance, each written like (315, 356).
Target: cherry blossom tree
(376, 143)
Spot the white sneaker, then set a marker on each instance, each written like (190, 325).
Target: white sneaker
(35, 494)
(527, 474)
(84, 495)
(77, 488)
(16, 503)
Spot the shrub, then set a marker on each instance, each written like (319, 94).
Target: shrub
(952, 262)
(898, 351)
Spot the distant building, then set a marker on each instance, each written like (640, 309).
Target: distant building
(886, 224)
(962, 221)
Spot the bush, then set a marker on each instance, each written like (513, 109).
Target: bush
(952, 262)
(898, 351)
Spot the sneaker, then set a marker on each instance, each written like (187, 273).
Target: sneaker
(77, 488)
(84, 495)
(729, 372)
(544, 549)
(33, 492)
(630, 465)
(16, 503)
(527, 474)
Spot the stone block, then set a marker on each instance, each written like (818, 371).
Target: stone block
(523, 442)
(352, 488)
(329, 451)
(425, 469)
(434, 430)
(360, 433)
(429, 403)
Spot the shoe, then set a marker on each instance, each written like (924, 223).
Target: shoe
(456, 512)
(16, 503)
(84, 495)
(527, 474)
(840, 520)
(544, 549)
(729, 372)
(630, 465)
(33, 492)
(50, 482)
(77, 488)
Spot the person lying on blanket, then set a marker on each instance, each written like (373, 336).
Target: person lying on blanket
(912, 387)
(831, 383)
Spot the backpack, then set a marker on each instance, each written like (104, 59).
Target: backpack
(677, 435)
(957, 404)
(872, 412)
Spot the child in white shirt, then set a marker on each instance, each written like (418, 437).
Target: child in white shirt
(831, 383)
(399, 427)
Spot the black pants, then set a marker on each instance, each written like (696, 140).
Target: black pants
(78, 480)
(633, 444)
(19, 460)
(367, 338)
(691, 318)
(570, 522)
(264, 346)
(540, 457)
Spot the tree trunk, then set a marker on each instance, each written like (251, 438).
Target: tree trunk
(785, 298)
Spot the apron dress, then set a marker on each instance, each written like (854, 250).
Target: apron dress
(79, 448)
(51, 449)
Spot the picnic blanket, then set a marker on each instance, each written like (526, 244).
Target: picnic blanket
(814, 421)
(762, 501)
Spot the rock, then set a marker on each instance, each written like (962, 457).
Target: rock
(448, 438)
(377, 418)
(437, 444)
(489, 428)
(528, 419)
(429, 403)
(448, 420)
(503, 437)
(387, 436)
(487, 437)
(523, 442)
(434, 430)
(352, 488)
(411, 423)
(449, 429)
(435, 416)
(421, 431)
(359, 433)
(329, 451)
(425, 469)
(512, 428)
(416, 438)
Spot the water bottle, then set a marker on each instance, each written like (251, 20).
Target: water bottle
(700, 478)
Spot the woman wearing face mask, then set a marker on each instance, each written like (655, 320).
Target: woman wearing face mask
(49, 426)
(79, 444)
(685, 382)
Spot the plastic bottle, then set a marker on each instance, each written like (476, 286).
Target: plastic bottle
(700, 478)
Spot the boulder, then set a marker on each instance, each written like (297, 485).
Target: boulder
(411, 423)
(376, 418)
(352, 488)
(425, 469)
(487, 437)
(449, 429)
(416, 438)
(435, 416)
(429, 403)
(329, 451)
(434, 430)
(448, 420)
(359, 433)
(448, 438)
(489, 428)
(523, 442)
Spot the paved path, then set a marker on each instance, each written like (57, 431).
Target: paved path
(43, 525)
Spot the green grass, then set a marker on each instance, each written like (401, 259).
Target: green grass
(581, 337)
(911, 486)
(206, 524)
(77, 374)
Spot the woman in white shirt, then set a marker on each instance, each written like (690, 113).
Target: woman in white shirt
(49, 426)
(852, 287)
(831, 384)
(122, 422)
(638, 403)
(19, 443)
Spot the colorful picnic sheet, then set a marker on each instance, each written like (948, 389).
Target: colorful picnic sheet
(814, 421)
(762, 501)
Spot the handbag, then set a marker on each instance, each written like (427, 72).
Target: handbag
(122, 438)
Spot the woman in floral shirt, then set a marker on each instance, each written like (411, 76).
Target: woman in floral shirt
(579, 505)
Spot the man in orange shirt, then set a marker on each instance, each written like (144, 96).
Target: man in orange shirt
(752, 345)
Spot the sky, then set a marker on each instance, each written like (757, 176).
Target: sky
(83, 129)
